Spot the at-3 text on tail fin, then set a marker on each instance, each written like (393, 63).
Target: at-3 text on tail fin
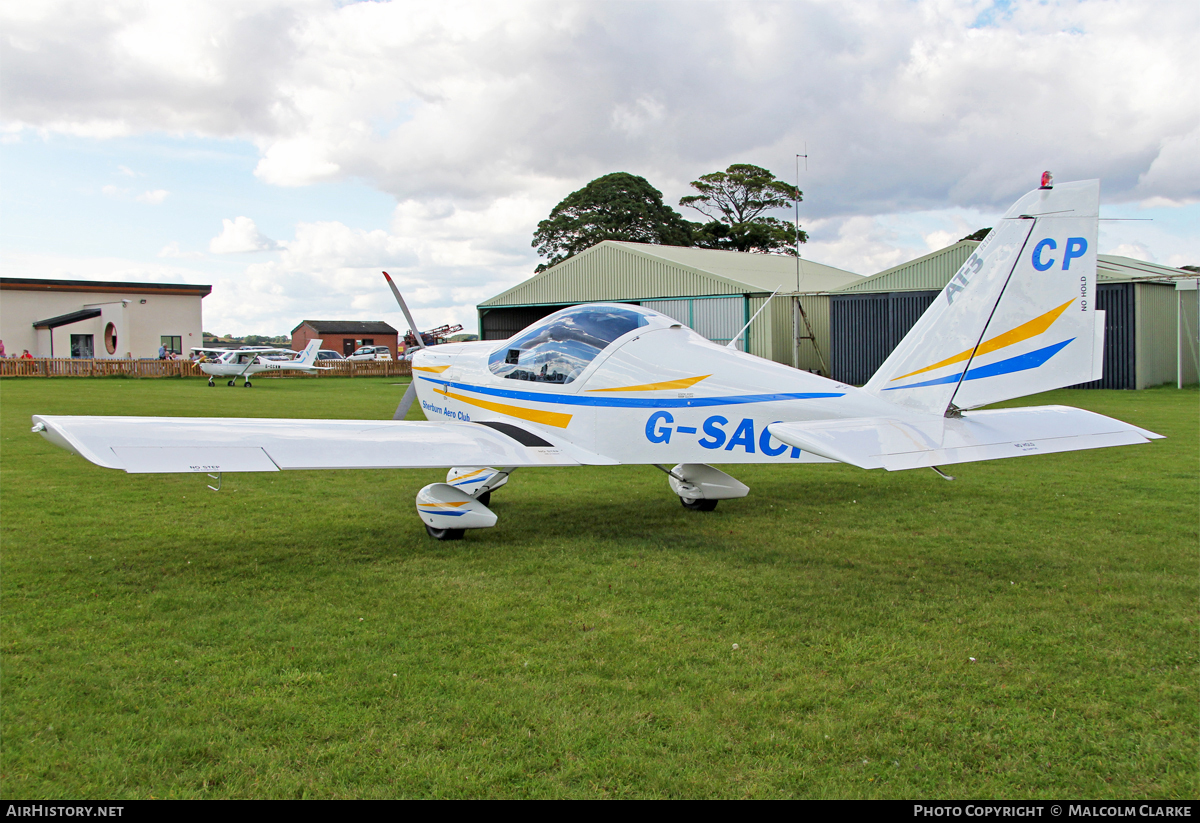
(1018, 318)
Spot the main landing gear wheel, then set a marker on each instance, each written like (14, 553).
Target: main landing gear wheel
(230, 383)
(485, 498)
(246, 385)
(445, 534)
(700, 505)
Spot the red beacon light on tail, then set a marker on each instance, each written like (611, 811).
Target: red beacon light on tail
(1047, 180)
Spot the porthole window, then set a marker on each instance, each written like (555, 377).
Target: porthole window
(110, 338)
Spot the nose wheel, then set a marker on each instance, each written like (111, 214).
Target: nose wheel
(210, 383)
(445, 534)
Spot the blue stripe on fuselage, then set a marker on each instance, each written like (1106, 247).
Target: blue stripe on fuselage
(632, 402)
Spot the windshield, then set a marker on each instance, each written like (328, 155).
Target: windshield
(558, 349)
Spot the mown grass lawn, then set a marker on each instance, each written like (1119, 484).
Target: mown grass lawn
(1026, 631)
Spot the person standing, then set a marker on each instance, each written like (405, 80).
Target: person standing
(162, 352)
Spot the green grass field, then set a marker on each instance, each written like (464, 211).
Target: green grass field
(1028, 631)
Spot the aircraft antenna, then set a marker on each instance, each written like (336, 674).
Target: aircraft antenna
(803, 316)
(732, 344)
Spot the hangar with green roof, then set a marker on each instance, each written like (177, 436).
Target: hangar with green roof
(714, 292)
(838, 323)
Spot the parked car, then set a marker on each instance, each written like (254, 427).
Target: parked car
(329, 354)
(371, 353)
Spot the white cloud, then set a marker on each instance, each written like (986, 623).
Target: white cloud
(240, 235)
(65, 267)
(478, 117)
(154, 198)
(903, 106)
(172, 249)
(1137, 251)
(862, 245)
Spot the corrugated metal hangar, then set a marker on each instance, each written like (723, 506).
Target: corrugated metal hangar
(714, 292)
(869, 318)
(850, 324)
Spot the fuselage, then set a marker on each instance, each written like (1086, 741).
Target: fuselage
(658, 393)
(249, 362)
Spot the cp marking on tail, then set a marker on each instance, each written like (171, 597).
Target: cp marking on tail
(1076, 247)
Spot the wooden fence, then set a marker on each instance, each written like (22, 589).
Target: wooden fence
(71, 367)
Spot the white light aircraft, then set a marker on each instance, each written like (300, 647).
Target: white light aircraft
(610, 384)
(244, 363)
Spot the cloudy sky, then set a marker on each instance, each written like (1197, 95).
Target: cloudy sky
(286, 152)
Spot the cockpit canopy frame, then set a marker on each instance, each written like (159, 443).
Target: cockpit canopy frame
(558, 348)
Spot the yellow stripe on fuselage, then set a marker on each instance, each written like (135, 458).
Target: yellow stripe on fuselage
(469, 474)
(668, 384)
(547, 418)
(1022, 332)
(434, 369)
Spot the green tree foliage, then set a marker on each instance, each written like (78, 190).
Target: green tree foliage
(978, 235)
(734, 200)
(617, 206)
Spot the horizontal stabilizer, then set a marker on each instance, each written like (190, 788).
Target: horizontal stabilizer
(196, 444)
(919, 442)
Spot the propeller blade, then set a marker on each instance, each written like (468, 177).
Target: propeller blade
(410, 394)
(404, 308)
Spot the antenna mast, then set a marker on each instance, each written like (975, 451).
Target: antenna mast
(801, 316)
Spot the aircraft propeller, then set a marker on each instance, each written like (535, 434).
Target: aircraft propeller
(410, 394)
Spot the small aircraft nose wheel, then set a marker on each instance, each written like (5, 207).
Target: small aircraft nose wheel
(210, 383)
(700, 505)
(445, 534)
(230, 383)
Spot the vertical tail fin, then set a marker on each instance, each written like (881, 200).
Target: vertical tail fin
(309, 355)
(1018, 318)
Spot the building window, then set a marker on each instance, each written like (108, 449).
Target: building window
(173, 345)
(110, 338)
(82, 347)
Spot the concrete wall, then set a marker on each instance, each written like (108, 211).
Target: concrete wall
(139, 323)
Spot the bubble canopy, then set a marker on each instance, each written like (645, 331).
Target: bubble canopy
(558, 348)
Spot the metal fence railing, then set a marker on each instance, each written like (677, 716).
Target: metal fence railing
(73, 367)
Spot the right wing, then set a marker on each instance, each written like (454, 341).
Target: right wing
(922, 441)
(196, 444)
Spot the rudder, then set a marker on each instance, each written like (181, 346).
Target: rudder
(1016, 319)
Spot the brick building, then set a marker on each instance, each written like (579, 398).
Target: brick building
(346, 335)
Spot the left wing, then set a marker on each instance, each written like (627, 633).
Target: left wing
(197, 444)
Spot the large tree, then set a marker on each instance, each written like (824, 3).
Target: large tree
(617, 206)
(734, 200)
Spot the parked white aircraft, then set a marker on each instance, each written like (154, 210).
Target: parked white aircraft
(243, 363)
(608, 384)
